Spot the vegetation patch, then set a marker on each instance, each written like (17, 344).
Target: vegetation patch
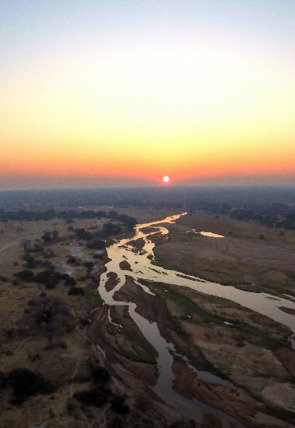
(25, 383)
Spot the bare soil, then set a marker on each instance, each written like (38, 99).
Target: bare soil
(241, 258)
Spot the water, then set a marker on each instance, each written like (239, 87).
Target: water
(142, 268)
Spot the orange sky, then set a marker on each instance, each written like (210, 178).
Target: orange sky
(90, 98)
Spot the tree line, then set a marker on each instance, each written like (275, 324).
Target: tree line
(67, 215)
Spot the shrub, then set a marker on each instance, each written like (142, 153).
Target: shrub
(46, 276)
(26, 275)
(118, 405)
(70, 281)
(72, 407)
(63, 276)
(72, 260)
(98, 256)
(100, 374)
(89, 265)
(25, 382)
(96, 244)
(97, 396)
(76, 291)
(70, 328)
(116, 422)
(31, 262)
(2, 380)
(50, 285)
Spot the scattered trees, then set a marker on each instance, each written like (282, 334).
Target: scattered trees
(68, 216)
(49, 236)
(49, 311)
(25, 383)
(98, 395)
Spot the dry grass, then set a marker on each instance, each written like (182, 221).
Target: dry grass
(241, 257)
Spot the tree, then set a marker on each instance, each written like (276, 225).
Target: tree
(25, 383)
(55, 234)
(46, 236)
(48, 310)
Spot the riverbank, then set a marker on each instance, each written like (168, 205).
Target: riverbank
(250, 256)
(205, 329)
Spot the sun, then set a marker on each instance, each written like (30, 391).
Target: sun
(166, 179)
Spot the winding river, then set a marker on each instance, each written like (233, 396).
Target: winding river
(142, 268)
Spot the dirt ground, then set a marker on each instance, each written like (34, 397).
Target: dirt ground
(241, 258)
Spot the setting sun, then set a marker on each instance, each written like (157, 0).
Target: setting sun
(166, 179)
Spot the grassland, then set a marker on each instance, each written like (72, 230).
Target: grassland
(250, 255)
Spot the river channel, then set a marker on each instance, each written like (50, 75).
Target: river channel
(141, 267)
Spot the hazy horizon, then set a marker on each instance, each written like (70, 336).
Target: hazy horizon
(110, 182)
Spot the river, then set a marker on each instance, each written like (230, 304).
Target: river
(141, 267)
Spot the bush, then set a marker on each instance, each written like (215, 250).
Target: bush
(72, 260)
(30, 261)
(100, 374)
(89, 265)
(46, 276)
(70, 281)
(118, 405)
(26, 275)
(96, 244)
(98, 256)
(70, 328)
(76, 291)
(50, 285)
(25, 382)
(72, 407)
(2, 380)
(63, 276)
(116, 422)
(97, 396)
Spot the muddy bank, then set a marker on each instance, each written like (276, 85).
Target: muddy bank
(240, 353)
(97, 331)
(137, 243)
(112, 281)
(288, 310)
(124, 265)
(233, 401)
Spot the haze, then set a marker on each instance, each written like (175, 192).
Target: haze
(121, 93)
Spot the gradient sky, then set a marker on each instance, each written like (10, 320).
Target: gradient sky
(122, 92)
